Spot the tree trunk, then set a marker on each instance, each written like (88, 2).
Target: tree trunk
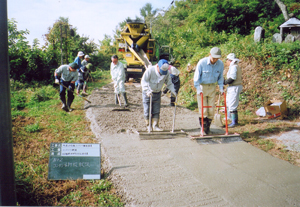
(283, 9)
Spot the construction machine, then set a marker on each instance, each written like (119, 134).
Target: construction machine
(137, 48)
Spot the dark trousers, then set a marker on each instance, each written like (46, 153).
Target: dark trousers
(156, 99)
(62, 93)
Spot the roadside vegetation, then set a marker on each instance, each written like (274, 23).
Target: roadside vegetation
(37, 121)
(191, 28)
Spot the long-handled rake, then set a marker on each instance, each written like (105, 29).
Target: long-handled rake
(75, 93)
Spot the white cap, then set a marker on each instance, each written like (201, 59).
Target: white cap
(215, 52)
(86, 56)
(231, 56)
(80, 53)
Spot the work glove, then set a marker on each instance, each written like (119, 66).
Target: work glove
(56, 81)
(199, 92)
(149, 93)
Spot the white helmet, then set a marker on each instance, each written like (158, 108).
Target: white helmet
(86, 56)
(80, 53)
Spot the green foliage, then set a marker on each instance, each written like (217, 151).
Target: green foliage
(33, 127)
(44, 93)
(18, 100)
(100, 186)
(62, 37)
(45, 122)
(99, 74)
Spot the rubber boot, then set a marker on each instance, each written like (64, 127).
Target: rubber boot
(234, 118)
(147, 124)
(206, 125)
(65, 107)
(116, 99)
(155, 125)
(125, 99)
(69, 102)
(172, 101)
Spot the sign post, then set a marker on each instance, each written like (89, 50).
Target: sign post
(7, 174)
(71, 161)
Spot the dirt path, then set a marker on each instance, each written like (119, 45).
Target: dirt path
(131, 121)
(184, 172)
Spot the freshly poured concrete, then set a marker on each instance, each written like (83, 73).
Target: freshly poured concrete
(183, 172)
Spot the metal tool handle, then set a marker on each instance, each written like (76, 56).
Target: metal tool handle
(218, 103)
(119, 99)
(202, 119)
(74, 92)
(150, 113)
(173, 127)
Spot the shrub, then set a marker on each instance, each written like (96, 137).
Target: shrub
(33, 128)
(44, 93)
(18, 100)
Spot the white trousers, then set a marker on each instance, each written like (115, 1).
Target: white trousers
(119, 87)
(232, 97)
(209, 97)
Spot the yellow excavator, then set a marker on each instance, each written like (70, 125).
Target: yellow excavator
(137, 48)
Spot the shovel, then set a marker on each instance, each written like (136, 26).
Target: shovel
(218, 118)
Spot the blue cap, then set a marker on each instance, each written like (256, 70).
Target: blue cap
(163, 70)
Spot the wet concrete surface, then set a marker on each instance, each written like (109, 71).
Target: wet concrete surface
(181, 171)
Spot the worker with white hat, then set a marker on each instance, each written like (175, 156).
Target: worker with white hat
(152, 83)
(79, 58)
(209, 70)
(83, 74)
(234, 80)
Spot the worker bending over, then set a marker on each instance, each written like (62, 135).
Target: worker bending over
(209, 70)
(152, 83)
(68, 75)
(117, 73)
(234, 80)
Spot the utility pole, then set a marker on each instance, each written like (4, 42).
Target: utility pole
(7, 174)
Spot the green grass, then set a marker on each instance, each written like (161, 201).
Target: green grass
(37, 121)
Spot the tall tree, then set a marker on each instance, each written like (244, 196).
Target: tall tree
(148, 13)
(283, 9)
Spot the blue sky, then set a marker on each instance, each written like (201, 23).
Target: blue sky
(92, 18)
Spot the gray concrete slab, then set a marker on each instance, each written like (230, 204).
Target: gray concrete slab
(184, 172)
